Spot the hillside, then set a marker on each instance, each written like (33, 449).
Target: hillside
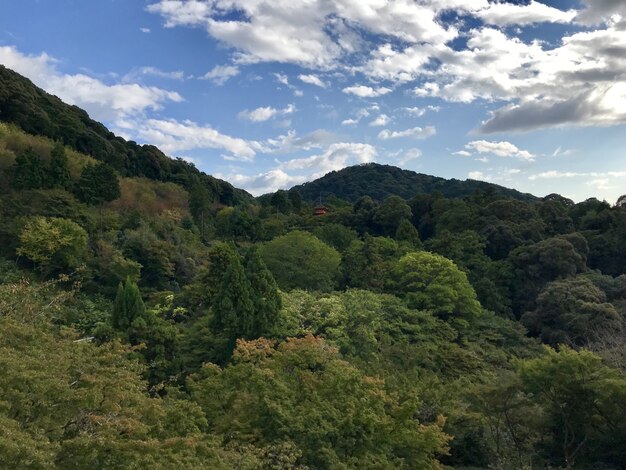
(379, 181)
(39, 113)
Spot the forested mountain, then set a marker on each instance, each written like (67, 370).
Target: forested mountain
(39, 113)
(380, 181)
(144, 322)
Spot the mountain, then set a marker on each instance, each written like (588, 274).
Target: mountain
(379, 181)
(39, 113)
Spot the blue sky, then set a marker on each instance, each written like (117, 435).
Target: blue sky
(271, 93)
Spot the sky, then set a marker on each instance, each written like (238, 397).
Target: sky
(267, 94)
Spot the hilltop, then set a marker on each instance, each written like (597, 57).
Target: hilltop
(380, 181)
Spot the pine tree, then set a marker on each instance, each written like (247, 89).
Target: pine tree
(233, 308)
(128, 305)
(59, 174)
(265, 295)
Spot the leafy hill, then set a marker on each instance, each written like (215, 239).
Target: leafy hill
(39, 113)
(379, 181)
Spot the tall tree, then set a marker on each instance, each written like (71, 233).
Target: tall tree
(59, 173)
(264, 292)
(98, 184)
(233, 308)
(128, 305)
(28, 172)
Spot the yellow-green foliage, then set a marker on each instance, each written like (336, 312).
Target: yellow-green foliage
(151, 198)
(14, 141)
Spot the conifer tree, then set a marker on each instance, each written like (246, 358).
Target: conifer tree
(59, 173)
(233, 308)
(128, 305)
(265, 295)
(408, 233)
(98, 184)
(28, 171)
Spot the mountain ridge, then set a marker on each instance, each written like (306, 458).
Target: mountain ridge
(380, 181)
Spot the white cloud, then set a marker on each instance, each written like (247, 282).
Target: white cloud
(499, 149)
(102, 101)
(263, 182)
(173, 136)
(505, 14)
(408, 155)
(478, 175)
(463, 153)
(313, 80)
(380, 121)
(265, 113)
(220, 74)
(416, 133)
(138, 73)
(349, 122)
(337, 156)
(144, 30)
(363, 91)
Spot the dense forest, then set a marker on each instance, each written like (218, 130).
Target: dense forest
(153, 316)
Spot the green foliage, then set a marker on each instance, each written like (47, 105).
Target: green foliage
(407, 233)
(264, 292)
(302, 393)
(571, 311)
(369, 264)
(28, 172)
(300, 260)
(98, 184)
(432, 282)
(336, 235)
(390, 214)
(128, 306)
(53, 243)
(59, 172)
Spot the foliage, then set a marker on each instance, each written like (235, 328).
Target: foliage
(300, 260)
(53, 243)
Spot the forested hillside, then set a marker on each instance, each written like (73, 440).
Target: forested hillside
(146, 321)
(380, 181)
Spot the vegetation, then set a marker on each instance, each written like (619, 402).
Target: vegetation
(151, 320)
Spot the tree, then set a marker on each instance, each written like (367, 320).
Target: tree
(336, 235)
(264, 292)
(369, 264)
(59, 173)
(301, 393)
(390, 214)
(571, 311)
(281, 201)
(128, 305)
(301, 260)
(432, 282)
(407, 233)
(28, 172)
(53, 243)
(98, 184)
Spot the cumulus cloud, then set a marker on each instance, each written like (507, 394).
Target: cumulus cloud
(380, 121)
(415, 132)
(174, 136)
(266, 113)
(499, 149)
(336, 157)
(220, 74)
(262, 183)
(102, 101)
(364, 91)
(313, 80)
(505, 14)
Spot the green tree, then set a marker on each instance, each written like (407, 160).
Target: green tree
(28, 172)
(59, 173)
(391, 213)
(571, 311)
(301, 260)
(128, 305)
(53, 243)
(264, 292)
(233, 307)
(336, 235)
(369, 264)
(98, 184)
(407, 233)
(432, 282)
